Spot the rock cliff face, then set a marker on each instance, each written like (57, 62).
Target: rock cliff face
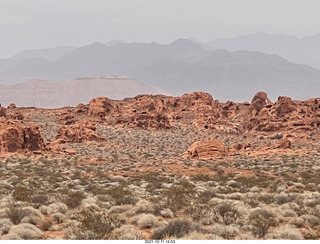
(15, 137)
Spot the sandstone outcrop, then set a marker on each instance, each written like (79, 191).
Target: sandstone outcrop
(81, 108)
(145, 112)
(258, 102)
(17, 115)
(3, 112)
(66, 118)
(206, 150)
(199, 110)
(12, 106)
(283, 144)
(78, 133)
(15, 137)
(99, 107)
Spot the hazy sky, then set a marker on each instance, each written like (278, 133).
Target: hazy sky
(29, 24)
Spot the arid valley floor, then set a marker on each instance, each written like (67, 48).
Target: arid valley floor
(160, 167)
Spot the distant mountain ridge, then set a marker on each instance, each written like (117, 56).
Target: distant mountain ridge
(298, 50)
(48, 94)
(180, 67)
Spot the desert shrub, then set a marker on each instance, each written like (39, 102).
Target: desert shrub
(228, 213)
(205, 196)
(298, 222)
(5, 225)
(179, 195)
(57, 208)
(59, 217)
(227, 232)
(92, 226)
(253, 201)
(202, 212)
(313, 203)
(144, 206)
(283, 198)
(266, 198)
(146, 221)
(166, 213)
(45, 210)
(285, 233)
(289, 213)
(249, 182)
(176, 228)
(15, 213)
(121, 194)
(39, 200)
(261, 220)
(74, 199)
(46, 225)
(26, 231)
(126, 232)
(311, 219)
(22, 193)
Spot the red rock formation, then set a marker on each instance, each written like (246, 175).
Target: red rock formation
(284, 106)
(284, 144)
(17, 115)
(15, 137)
(3, 112)
(144, 111)
(206, 150)
(259, 100)
(66, 118)
(81, 108)
(99, 107)
(12, 106)
(78, 133)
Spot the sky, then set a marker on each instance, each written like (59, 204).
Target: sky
(34, 24)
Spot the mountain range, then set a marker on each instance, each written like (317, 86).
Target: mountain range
(229, 69)
(298, 50)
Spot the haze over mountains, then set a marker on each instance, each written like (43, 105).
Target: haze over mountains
(298, 50)
(179, 67)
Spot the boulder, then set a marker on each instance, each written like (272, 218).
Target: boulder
(284, 106)
(12, 106)
(15, 137)
(66, 119)
(3, 112)
(259, 100)
(99, 107)
(284, 144)
(206, 150)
